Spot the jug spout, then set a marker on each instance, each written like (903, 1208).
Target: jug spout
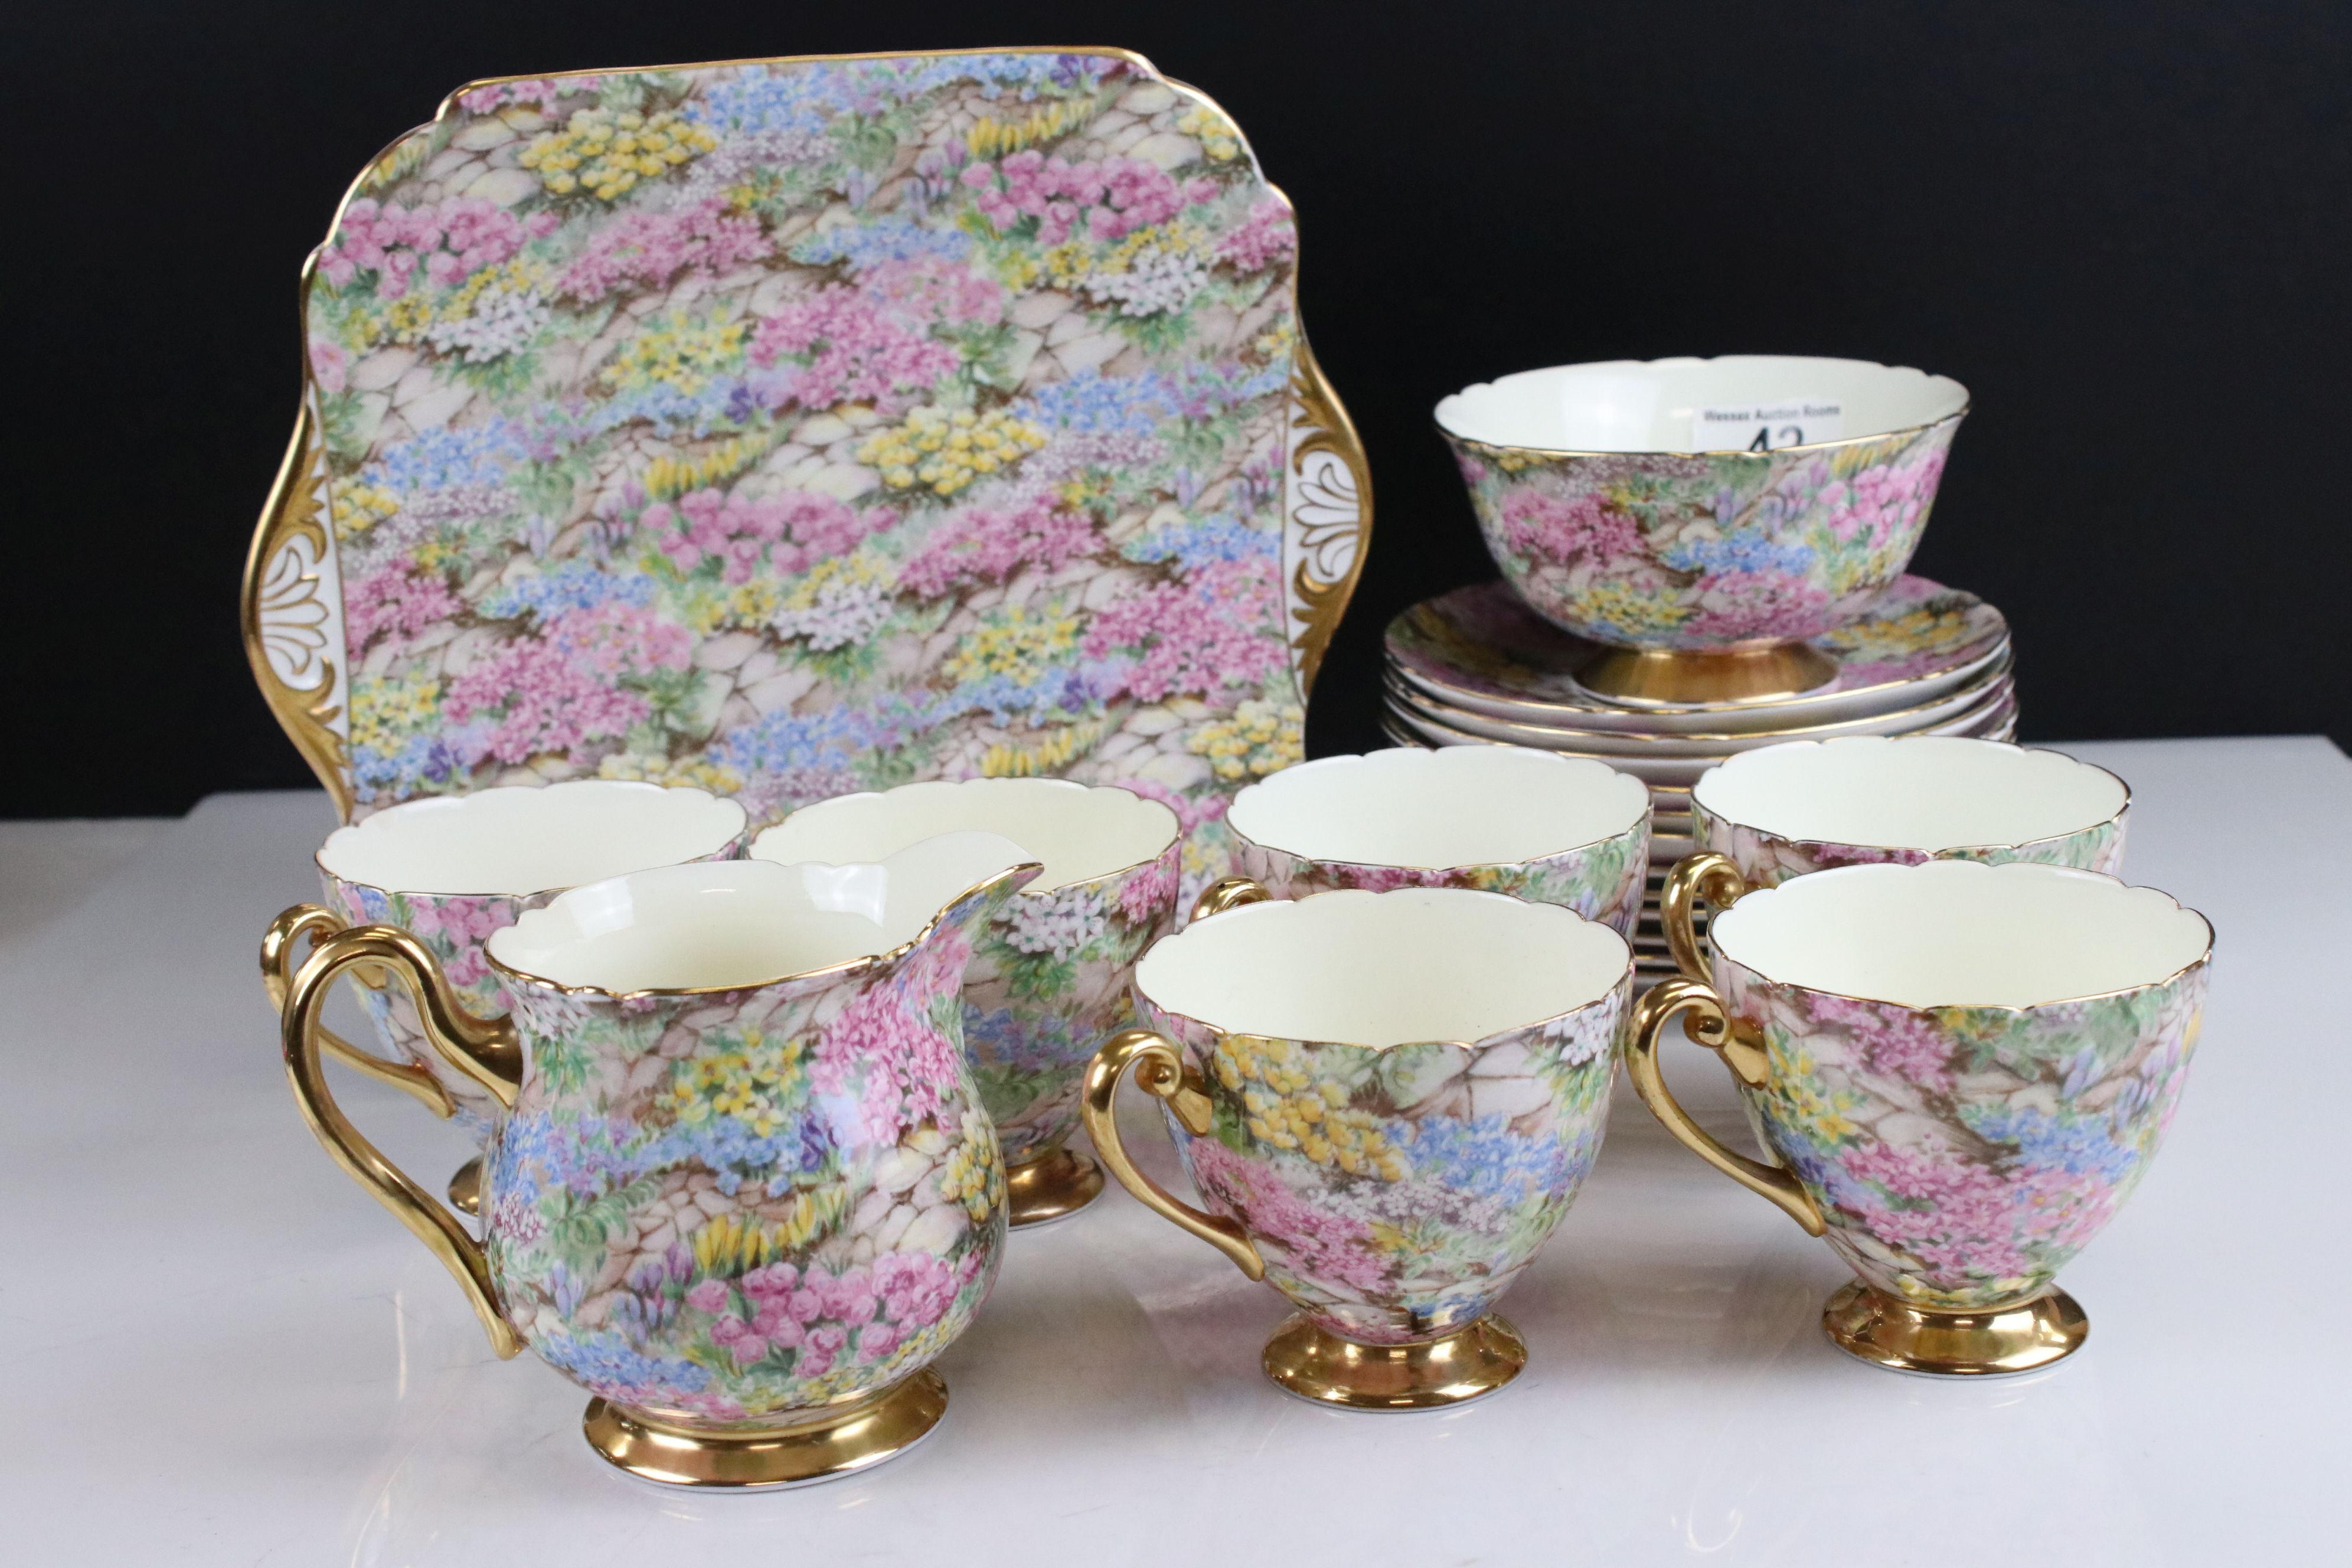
(948, 884)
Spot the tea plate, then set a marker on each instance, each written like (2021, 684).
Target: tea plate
(1609, 743)
(1991, 708)
(796, 426)
(1481, 648)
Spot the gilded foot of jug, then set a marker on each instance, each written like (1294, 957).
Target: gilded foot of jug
(1053, 1186)
(1314, 1363)
(1883, 1331)
(830, 1445)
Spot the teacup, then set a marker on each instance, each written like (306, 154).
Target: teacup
(450, 870)
(739, 1186)
(1387, 1102)
(1501, 819)
(1048, 981)
(1704, 517)
(1963, 1069)
(1782, 811)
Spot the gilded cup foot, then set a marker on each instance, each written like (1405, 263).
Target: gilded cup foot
(1317, 1365)
(466, 1188)
(832, 1444)
(1883, 1331)
(1674, 677)
(1053, 1186)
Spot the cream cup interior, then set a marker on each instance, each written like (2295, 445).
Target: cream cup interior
(1078, 832)
(1929, 793)
(724, 923)
(1384, 969)
(1455, 805)
(1961, 933)
(1647, 406)
(515, 841)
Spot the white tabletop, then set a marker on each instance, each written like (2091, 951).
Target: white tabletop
(218, 1350)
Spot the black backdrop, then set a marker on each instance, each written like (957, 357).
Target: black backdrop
(2123, 224)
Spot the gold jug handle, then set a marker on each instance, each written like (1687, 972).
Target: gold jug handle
(481, 1048)
(1160, 1068)
(277, 945)
(1228, 893)
(1706, 875)
(1708, 1024)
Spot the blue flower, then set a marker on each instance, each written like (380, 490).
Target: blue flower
(608, 1363)
(422, 764)
(1483, 1156)
(574, 585)
(1741, 551)
(786, 98)
(891, 239)
(2079, 1145)
(444, 459)
(1212, 539)
(1035, 1045)
(1092, 402)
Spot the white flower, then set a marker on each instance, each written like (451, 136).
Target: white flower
(1060, 923)
(502, 320)
(837, 605)
(1156, 280)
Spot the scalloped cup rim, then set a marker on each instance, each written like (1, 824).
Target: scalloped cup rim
(1045, 884)
(1740, 760)
(1450, 409)
(1405, 757)
(502, 797)
(880, 953)
(1564, 922)
(1814, 884)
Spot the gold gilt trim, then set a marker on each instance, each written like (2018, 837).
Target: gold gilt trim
(1327, 507)
(282, 607)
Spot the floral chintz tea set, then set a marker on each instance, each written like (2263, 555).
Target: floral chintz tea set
(802, 577)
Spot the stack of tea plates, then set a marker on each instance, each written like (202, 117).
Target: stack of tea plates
(1477, 666)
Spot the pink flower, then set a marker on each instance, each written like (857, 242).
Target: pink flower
(1267, 236)
(876, 1340)
(930, 288)
(794, 530)
(773, 1280)
(818, 1350)
(1124, 194)
(728, 1328)
(1735, 605)
(852, 352)
(708, 1296)
(555, 690)
(1323, 1246)
(906, 1063)
(455, 237)
(1148, 895)
(397, 600)
(1554, 529)
(648, 249)
(1193, 637)
(327, 362)
(980, 545)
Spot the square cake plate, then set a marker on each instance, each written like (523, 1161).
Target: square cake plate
(795, 427)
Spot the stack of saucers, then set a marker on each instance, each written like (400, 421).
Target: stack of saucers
(1477, 666)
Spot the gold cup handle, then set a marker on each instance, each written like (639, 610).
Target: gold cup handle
(1706, 875)
(484, 1050)
(277, 945)
(1708, 1024)
(1159, 1068)
(1228, 893)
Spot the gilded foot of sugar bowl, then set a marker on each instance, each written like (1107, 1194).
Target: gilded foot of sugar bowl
(1993, 1342)
(1314, 1363)
(824, 1448)
(1680, 677)
(1055, 1185)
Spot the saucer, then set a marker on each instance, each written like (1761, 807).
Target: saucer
(1480, 648)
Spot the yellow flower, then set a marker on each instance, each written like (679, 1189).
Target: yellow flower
(1261, 738)
(1287, 1107)
(1056, 752)
(357, 507)
(387, 709)
(1009, 641)
(607, 153)
(698, 773)
(1218, 138)
(945, 451)
(992, 138)
(668, 477)
(683, 350)
(1620, 607)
